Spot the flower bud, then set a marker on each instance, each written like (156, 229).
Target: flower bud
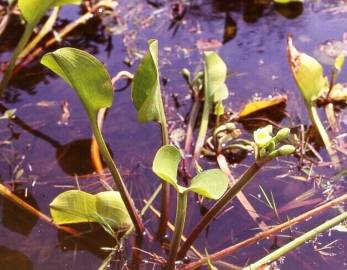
(282, 134)
(186, 74)
(286, 150)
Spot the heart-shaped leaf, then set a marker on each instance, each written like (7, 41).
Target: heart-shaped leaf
(211, 184)
(75, 206)
(34, 10)
(145, 92)
(165, 164)
(216, 73)
(307, 72)
(86, 74)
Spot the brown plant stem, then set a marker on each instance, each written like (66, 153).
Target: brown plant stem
(263, 235)
(220, 204)
(223, 164)
(6, 193)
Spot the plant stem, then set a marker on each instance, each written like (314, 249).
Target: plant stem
(263, 235)
(46, 28)
(192, 121)
(165, 198)
(179, 226)
(220, 204)
(223, 165)
(5, 192)
(22, 42)
(62, 33)
(298, 242)
(135, 217)
(204, 122)
(324, 135)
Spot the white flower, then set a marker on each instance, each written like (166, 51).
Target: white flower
(263, 136)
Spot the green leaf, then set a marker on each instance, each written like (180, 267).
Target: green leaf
(308, 74)
(339, 61)
(145, 92)
(211, 184)
(165, 164)
(34, 10)
(111, 208)
(75, 206)
(216, 73)
(86, 74)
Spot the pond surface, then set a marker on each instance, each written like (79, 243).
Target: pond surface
(49, 153)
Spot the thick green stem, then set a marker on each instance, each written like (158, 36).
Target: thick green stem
(136, 219)
(165, 198)
(23, 41)
(298, 241)
(324, 135)
(179, 226)
(219, 205)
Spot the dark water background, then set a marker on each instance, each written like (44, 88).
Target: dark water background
(257, 61)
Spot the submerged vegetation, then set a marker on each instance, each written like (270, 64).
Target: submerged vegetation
(201, 171)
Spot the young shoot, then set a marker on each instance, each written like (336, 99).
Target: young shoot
(147, 99)
(210, 184)
(309, 77)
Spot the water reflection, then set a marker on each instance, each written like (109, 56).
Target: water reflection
(74, 157)
(89, 36)
(16, 218)
(252, 11)
(13, 259)
(87, 241)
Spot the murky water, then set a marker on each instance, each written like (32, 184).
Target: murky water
(46, 157)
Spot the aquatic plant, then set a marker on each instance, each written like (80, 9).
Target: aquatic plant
(32, 11)
(147, 99)
(210, 184)
(309, 77)
(92, 84)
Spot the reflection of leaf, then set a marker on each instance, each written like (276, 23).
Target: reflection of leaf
(16, 218)
(256, 106)
(308, 74)
(145, 90)
(13, 259)
(210, 184)
(75, 206)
